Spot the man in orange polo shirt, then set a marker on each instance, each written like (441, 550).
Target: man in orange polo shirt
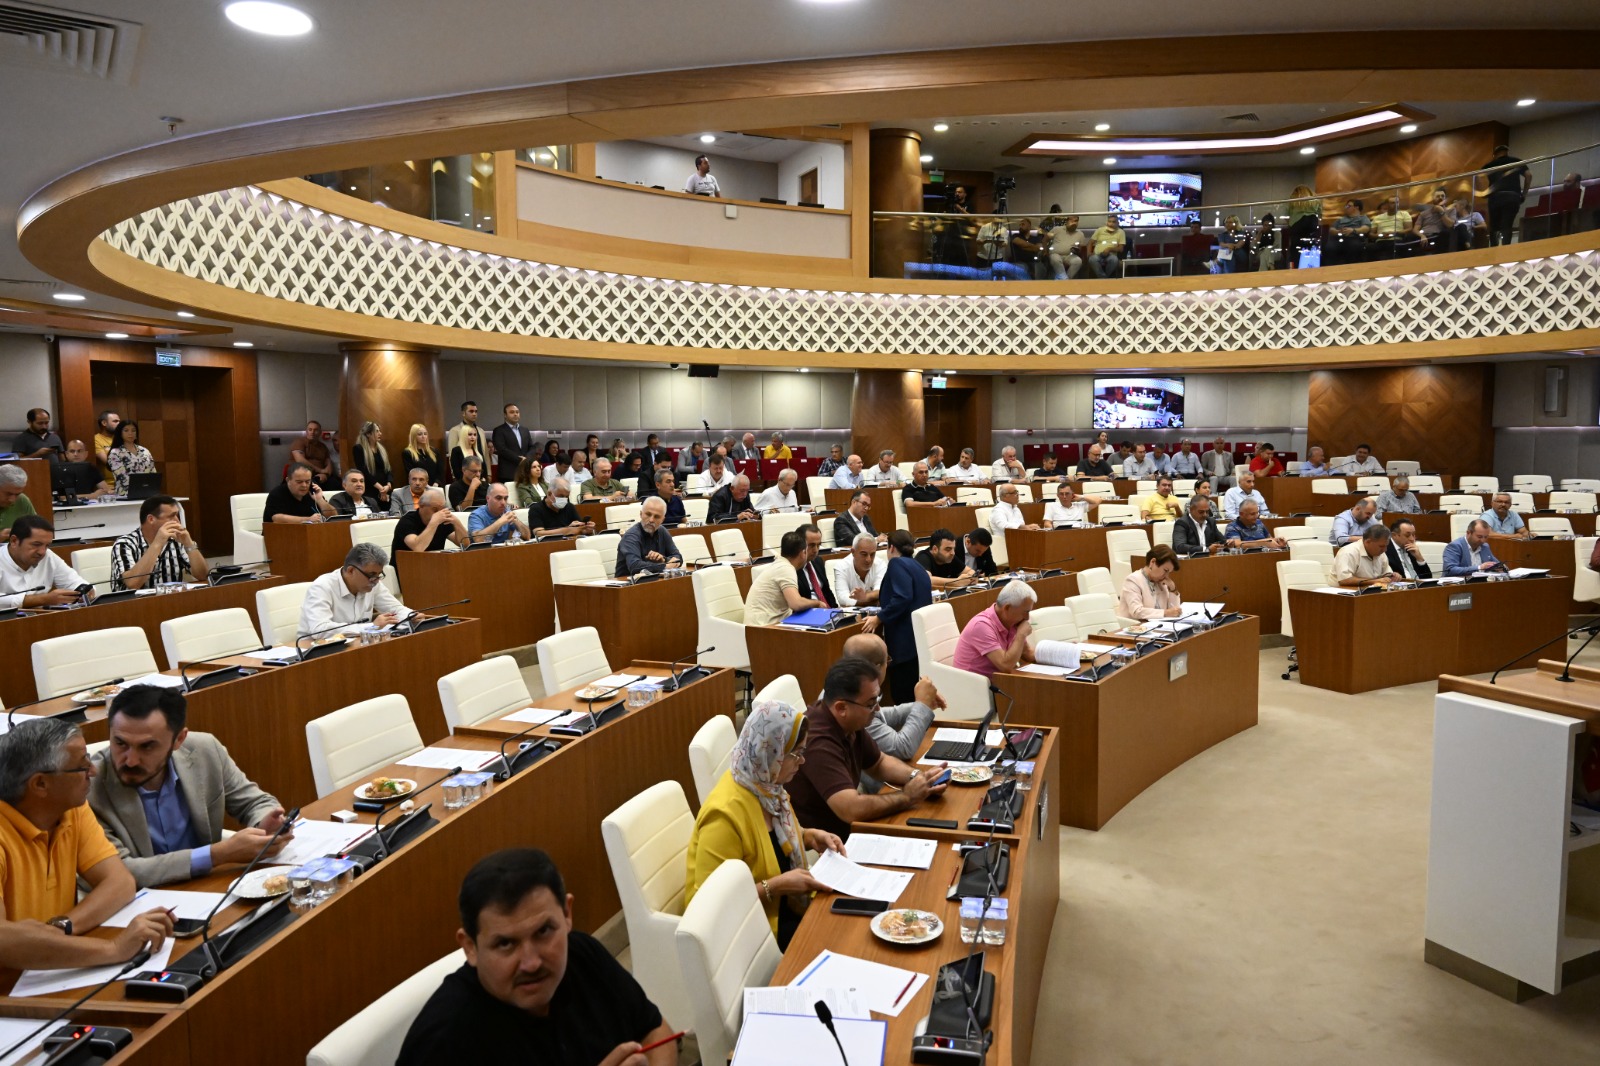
(49, 838)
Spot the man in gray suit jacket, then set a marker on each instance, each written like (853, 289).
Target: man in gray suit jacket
(160, 793)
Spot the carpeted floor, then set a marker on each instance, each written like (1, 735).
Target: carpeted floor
(1264, 904)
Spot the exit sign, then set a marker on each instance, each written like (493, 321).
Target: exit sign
(169, 357)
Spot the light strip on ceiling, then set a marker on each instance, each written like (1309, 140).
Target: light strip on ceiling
(1134, 146)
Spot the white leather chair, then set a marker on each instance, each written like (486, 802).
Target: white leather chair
(1408, 467)
(647, 844)
(1560, 500)
(934, 630)
(1297, 574)
(691, 548)
(907, 469)
(1458, 524)
(1099, 488)
(1426, 483)
(725, 945)
(1477, 483)
(619, 516)
(1121, 546)
(697, 509)
(711, 752)
(355, 741)
(975, 495)
(1456, 502)
(278, 612)
(719, 608)
(78, 660)
(825, 527)
(488, 688)
(1321, 525)
(1025, 494)
(1144, 487)
(1373, 484)
(1548, 526)
(577, 566)
(901, 521)
(373, 1036)
(249, 546)
(1585, 582)
(1581, 484)
(1161, 532)
(1521, 502)
(1328, 486)
(729, 545)
(1317, 551)
(1433, 555)
(774, 526)
(1184, 486)
(606, 544)
(1096, 579)
(192, 637)
(785, 689)
(1094, 612)
(1116, 512)
(817, 489)
(379, 531)
(93, 565)
(1295, 533)
(1532, 483)
(1052, 623)
(569, 658)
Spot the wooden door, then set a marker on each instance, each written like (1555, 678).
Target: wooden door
(949, 419)
(808, 187)
(161, 400)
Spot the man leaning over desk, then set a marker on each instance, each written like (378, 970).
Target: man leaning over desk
(352, 595)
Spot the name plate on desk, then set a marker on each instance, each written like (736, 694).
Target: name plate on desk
(1461, 601)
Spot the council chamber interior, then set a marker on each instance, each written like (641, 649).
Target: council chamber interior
(811, 532)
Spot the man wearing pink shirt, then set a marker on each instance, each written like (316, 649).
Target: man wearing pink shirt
(996, 640)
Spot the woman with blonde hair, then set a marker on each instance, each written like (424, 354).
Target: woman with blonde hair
(1305, 221)
(369, 456)
(419, 455)
(471, 446)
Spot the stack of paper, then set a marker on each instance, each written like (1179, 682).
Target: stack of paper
(282, 651)
(1526, 571)
(796, 1040)
(44, 982)
(314, 839)
(533, 716)
(791, 999)
(450, 758)
(852, 879)
(195, 905)
(879, 988)
(875, 849)
(158, 680)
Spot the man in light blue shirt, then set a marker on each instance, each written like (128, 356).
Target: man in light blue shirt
(1502, 520)
(495, 521)
(1351, 525)
(1163, 462)
(1244, 490)
(1139, 465)
(849, 475)
(1470, 554)
(1316, 464)
(1185, 462)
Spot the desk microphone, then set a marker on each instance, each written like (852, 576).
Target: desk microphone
(690, 675)
(304, 653)
(138, 960)
(218, 575)
(575, 730)
(211, 959)
(1212, 618)
(825, 1016)
(214, 677)
(384, 849)
(1053, 568)
(410, 620)
(1591, 628)
(66, 715)
(526, 755)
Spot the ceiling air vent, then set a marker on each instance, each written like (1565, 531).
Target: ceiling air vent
(1244, 119)
(55, 39)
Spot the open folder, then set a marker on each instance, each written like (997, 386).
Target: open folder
(801, 1040)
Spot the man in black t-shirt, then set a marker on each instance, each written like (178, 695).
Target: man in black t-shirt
(298, 500)
(555, 513)
(1095, 464)
(77, 476)
(945, 569)
(1508, 187)
(533, 989)
(428, 527)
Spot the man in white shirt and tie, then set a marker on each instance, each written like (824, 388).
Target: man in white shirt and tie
(1006, 514)
(352, 595)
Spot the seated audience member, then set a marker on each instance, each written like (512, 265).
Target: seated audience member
(1433, 222)
(579, 472)
(1265, 463)
(496, 521)
(161, 792)
(556, 514)
(1049, 468)
(920, 492)
(1470, 553)
(885, 473)
(1195, 249)
(562, 468)
(1346, 241)
(995, 641)
(1361, 462)
(781, 495)
(1068, 508)
(1096, 464)
(748, 816)
(1006, 514)
(429, 527)
(857, 583)
(1349, 526)
(48, 835)
(732, 503)
(77, 476)
(691, 460)
(352, 499)
(419, 455)
(529, 485)
(654, 451)
(1149, 592)
(1217, 462)
(31, 575)
(833, 462)
(1248, 531)
(645, 484)
(1365, 561)
(1069, 250)
(1202, 490)
(1161, 505)
(717, 475)
(1466, 225)
(1110, 243)
(854, 521)
(298, 500)
(1398, 499)
(1391, 233)
(977, 551)
(897, 730)
(777, 449)
(1120, 458)
(848, 476)
(533, 988)
(469, 491)
(1139, 465)
(747, 448)
(352, 595)
(603, 486)
(935, 460)
(1196, 532)
(159, 551)
(906, 587)
(646, 547)
(1502, 520)
(667, 493)
(404, 500)
(939, 559)
(1163, 461)
(1027, 248)
(1316, 464)
(1185, 462)
(775, 590)
(1007, 466)
(1405, 554)
(1244, 490)
(966, 468)
(14, 503)
(311, 450)
(809, 574)
(827, 791)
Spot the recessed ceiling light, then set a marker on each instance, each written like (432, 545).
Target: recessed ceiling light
(708, 138)
(1526, 101)
(243, 344)
(352, 188)
(1109, 160)
(272, 19)
(940, 127)
(805, 370)
(69, 297)
(1410, 127)
(1308, 150)
(1186, 146)
(185, 314)
(116, 336)
(1101, 127)
(949, 373)
(925, 158)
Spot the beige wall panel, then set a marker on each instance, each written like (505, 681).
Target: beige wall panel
(746, 413)
(622, 403)
(557, 408)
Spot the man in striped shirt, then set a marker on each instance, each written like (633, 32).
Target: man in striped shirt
(160, 550)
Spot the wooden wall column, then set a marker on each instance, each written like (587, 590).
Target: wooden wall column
(896, 185)
(391, 384)
(886, 412)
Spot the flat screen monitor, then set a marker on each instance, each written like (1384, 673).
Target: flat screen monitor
(1168, 199)
(1138, 403)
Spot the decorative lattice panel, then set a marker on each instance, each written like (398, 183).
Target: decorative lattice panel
(256, 242)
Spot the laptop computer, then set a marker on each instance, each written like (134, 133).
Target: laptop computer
(143, 486)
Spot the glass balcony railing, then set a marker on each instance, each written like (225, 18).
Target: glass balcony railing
(1529, 200)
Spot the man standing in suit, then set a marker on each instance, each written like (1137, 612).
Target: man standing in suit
(1470, 554)
(855, 521)
(160, 792)
(906, 587)
(809, 575)
(511, 443)
(653, 452)
(1405, 557)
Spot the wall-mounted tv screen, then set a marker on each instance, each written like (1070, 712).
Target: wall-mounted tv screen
(1138, 403)
(1172, 199)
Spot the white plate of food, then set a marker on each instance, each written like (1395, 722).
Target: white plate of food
(600, 692)
(99, 694)
(902, 925)
(386, 788)
(266, 882)
(971, 775)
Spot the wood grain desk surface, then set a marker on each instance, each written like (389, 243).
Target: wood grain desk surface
(304, 551)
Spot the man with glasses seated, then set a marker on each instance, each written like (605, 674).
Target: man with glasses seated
(1248, 531)
(352, 595)
(48, 834)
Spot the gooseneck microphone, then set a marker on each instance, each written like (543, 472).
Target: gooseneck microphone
(825, 1016)
(510, 765)
(303, 652)
(11, 713)
(212, 964)
(411, 620)
(678, 680)
(1591, 628)
(377, 823)
(138, 960)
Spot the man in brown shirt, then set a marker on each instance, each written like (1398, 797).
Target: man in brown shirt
(311, 451)
(826, 792)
